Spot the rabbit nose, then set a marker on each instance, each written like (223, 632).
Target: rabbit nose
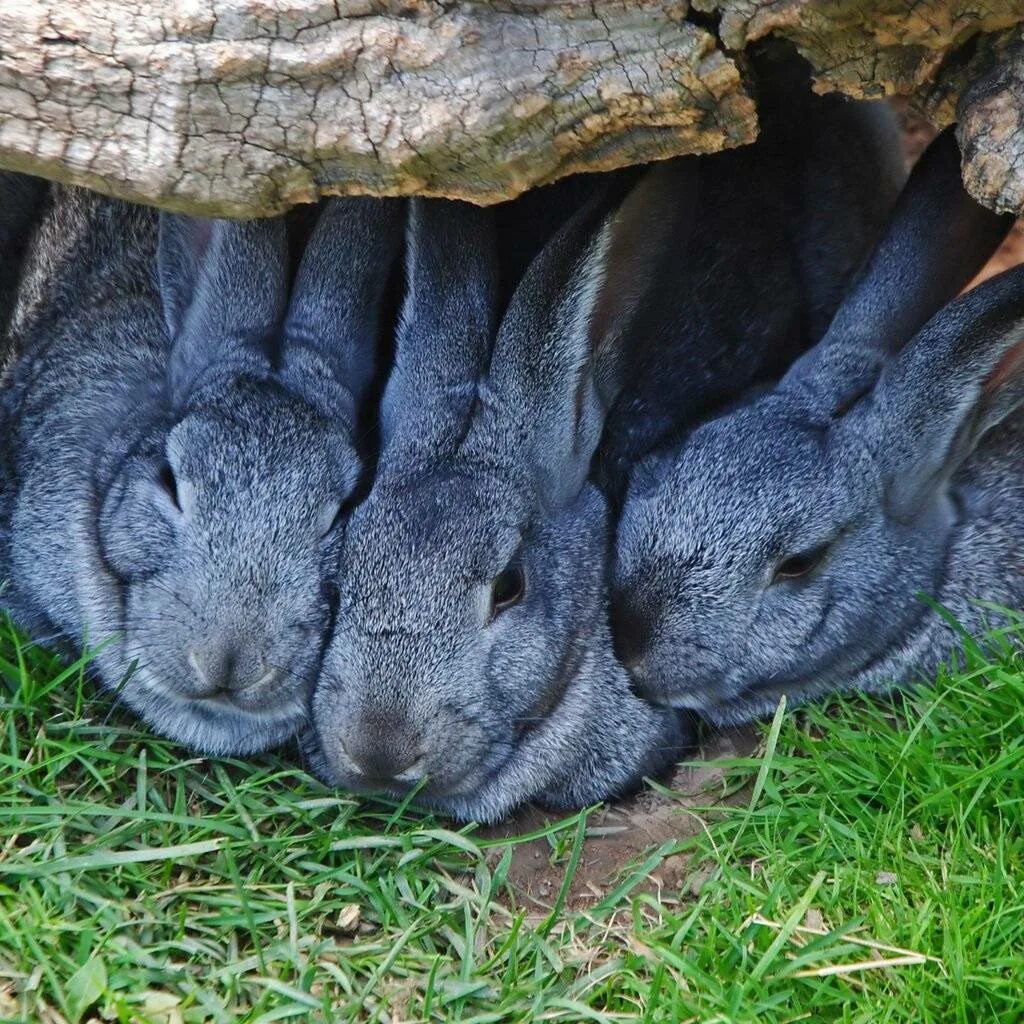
(223, 668)
(384, 750)
(630, 632)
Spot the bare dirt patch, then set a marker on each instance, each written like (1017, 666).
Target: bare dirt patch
(623, 833)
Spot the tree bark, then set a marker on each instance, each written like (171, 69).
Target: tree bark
(247, 107)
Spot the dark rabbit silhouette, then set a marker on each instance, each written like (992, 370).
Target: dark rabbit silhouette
(21, 200)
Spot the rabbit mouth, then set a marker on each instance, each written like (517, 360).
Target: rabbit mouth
(256, 697)
(502, 775)
(235, 703)
(215, 723)
(479, 792)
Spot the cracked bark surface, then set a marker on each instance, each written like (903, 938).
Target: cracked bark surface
(991, 130)
(247, 107)
(251, 106)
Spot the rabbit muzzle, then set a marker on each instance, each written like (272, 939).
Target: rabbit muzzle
(379, 731)
(241, 686)
(377, 752)
(233, 671)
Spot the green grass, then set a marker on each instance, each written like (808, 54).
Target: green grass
(137, 884)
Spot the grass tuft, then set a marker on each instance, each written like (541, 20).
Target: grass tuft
(875, 874)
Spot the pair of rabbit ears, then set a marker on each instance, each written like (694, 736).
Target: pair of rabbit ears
(225, 292)
(937, 373)
(535, 389)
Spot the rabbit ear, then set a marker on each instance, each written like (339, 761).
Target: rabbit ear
(21, 200)
(333, 321)
(446, 327)
(557, 362)
(961, 376)
(223, 286)
(936, 240)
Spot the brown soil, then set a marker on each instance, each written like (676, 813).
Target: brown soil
(621, 834)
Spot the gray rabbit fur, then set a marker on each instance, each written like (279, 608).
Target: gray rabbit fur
(179, 448)
(784, 548)
(471, 645)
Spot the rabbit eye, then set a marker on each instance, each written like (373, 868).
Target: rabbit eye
(169, 484)
(802, 564)
(508, 588)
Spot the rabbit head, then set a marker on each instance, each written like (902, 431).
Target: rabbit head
(215, 516)
(471, 654)
(780, 548)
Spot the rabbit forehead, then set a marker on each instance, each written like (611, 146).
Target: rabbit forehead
(257, 441)
(750, 479)
(472, 513)
(414, 549)
(746, 486)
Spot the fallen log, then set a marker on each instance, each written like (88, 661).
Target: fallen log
(247, 107)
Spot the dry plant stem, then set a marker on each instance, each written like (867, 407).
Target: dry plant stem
(903, 957)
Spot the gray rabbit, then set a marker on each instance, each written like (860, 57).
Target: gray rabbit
(180, 449)
(781, 227)
(471, 647)
(783, 548)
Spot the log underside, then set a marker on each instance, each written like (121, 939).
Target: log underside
(247, 107)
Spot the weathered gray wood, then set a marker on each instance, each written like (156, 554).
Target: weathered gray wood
(253, 105)
(991, 129)
(250, 106)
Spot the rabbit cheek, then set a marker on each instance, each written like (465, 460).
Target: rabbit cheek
(547, 701)
(680, 670)
(796, 610)
(135, 538)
